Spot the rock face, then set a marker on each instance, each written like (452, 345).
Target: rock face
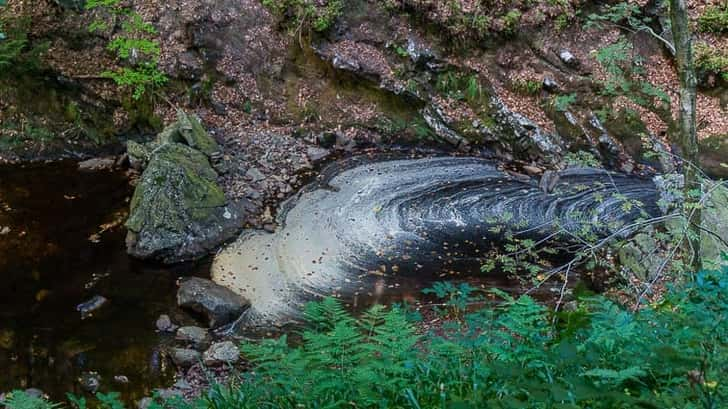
(178, 211)
(219, 305)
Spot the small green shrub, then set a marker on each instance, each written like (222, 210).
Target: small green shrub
(582, 159)
(135, 46)
(563, 102)
(712, 60)
(714, 20)
(515, 353)
(318, 15)
(526, 86)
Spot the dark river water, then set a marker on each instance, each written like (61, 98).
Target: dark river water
(61, 243)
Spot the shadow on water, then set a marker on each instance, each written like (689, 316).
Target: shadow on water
(61, 243)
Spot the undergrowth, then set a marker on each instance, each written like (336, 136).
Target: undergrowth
(513, 353)
(135, 47)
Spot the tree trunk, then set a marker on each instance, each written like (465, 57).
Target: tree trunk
(686, 132)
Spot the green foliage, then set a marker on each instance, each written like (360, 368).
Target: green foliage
(135, 46)
(714, 19)
(459, 86)
(526, 86)
(710, 59)
(563, 102)
(622, 12)
(512, 354)
(582, 159)
(22, 400)
(511, 20)
(318, 15)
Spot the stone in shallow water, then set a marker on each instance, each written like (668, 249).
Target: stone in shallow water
(184, 357)
(88, 308)
(195, 336)
(219, 305)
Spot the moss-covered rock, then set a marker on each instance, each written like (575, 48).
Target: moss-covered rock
(178, 210)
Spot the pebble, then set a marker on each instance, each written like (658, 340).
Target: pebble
(88, 308)
(254, 174)
(196, 336)
(121, 379)
(221, 353)
(568, 58)
(184, 357)
(165, 324)
(90, 381)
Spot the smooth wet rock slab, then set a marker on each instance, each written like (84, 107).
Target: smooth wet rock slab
(217, 304)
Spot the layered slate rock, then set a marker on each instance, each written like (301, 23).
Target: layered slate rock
(178, 211)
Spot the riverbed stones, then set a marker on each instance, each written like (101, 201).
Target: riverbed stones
(221, 353)
(184, 357)
(198, 337)
(165, 324)
(90, 381)
(88, 308)
(217, 304)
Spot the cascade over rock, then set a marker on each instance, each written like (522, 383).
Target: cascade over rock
(413, 217)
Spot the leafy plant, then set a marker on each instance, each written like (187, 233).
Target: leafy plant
(712, 60)
(563, 102)
(318, 15)
(22, 400)
(583, 159)
(513, 353)
(135, 46)
(714, 19)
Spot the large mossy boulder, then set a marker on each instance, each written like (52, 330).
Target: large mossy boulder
(178, 211)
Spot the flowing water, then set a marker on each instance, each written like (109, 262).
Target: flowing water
(61, 243)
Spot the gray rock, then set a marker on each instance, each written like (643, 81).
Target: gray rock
(145, 403)
(121, 379)
(196, 336)
(254, 174)
(184, 357)
(218, 304)
(97, 164)
(177, 208)
(90, 381)
(317, 155)
(550, 85)
(568, 58)
(548, 181)
(165, 324)
(434, 118)
(34, 392)
(88, 308)
(221, 353)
